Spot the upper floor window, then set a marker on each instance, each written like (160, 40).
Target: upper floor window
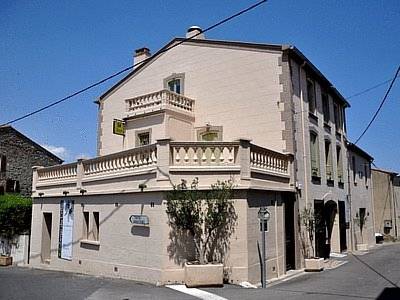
(143, 138)
(314, 155)
(325, 106)
(328, 160)
(311, 96)
(339, 163)
(175, 83)
(209, 133)
(366, 172)
(353, 164)
(337, 110)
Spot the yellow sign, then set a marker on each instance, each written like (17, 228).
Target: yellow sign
(119, 127)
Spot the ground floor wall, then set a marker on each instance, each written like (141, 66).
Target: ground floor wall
(105, 243)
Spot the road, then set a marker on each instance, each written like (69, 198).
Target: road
(375, 275)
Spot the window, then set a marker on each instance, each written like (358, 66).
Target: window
(91, 226)
(3, 164)
(12, 186)
(328, 160)
(143, 138)
(353, 164)
(175, 83)
(366, 170)
(338, 116)
(311, 96)
(325, 107)
(209, 133)
(314, 151)
(339, 164)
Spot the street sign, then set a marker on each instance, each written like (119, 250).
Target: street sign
(140, 220)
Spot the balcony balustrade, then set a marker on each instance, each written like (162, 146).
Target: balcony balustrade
(157, 101)
(165, 159)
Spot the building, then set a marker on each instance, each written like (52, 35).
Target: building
(362, 232)
(386, 204)
(18, 154)
(262, 115)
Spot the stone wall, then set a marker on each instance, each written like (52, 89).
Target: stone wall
(21, 155)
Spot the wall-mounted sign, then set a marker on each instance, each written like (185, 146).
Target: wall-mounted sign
(66, 229)
(141, 220)
(118, 127)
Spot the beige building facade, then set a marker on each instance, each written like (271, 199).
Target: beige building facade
(386, 203)
(260, 115)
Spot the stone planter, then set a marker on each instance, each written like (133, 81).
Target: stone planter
(204, 275)
(5, 260)
(314, 264)
(362, 247)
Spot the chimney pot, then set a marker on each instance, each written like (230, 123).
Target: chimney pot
(140, 55)
(193, 30)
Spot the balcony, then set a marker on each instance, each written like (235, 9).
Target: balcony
(160, 165)
(157, 101)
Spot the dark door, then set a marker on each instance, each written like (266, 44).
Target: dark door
(342, 225)
(289, 234)
(46, 237)
(320, 228)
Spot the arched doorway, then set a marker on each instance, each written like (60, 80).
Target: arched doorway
(325, 215)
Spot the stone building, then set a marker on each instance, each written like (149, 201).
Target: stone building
(261, 115)
(386, 202)
(361, 207)
(18, 154)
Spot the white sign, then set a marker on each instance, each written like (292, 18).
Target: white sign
(66, 229)
(141, 220)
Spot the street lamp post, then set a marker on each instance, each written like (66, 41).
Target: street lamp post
(263, 216)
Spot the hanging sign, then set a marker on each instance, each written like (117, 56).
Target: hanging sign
(118, 127)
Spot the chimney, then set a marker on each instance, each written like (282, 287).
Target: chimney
(140, 55)
(193, 30)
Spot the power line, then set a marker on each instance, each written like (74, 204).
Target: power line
(369, 89)
(134, 65)
(380, 106)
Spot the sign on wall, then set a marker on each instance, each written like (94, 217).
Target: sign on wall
(141, 220)
(118, 127)
(66, 229)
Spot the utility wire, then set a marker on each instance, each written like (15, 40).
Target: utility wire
(380, 106)
(135, 65)
(369, 89)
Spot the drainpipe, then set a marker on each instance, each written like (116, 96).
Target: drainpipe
(350, 200)
(276, 236)
(394, 207)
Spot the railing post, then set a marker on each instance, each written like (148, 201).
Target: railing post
(244, 159)
(163, 159)
(35, 177)
(80, 172)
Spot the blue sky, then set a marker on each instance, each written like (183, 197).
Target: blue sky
(49, 49)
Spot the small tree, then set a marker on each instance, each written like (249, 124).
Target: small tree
(307, 219)
(208, 216)
(15, 218)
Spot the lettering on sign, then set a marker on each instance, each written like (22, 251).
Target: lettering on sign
(139, 220)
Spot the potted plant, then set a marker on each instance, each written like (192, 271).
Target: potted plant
(311, 262)
(15, 219)
(360, 220)
(205, 219)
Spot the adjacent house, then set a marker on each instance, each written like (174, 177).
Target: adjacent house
(386, 202)
(360, 198)
(261, 115)
(18, 154)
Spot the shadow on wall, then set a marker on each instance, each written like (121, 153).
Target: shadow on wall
(389, 293)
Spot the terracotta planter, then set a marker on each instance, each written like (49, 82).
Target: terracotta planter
(204, 275)
(5, 260)
(362, 247)
(314, 264)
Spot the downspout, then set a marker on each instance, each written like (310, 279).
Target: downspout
(394, 206)
(276, 236)
(350, 200)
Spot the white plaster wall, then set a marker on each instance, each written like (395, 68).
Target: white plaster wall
(235, 88)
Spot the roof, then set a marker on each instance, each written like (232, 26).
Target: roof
(385, 171)
(354, 148)
(292, 50)
(8, 128)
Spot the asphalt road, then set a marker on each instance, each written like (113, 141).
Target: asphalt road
(375, 275)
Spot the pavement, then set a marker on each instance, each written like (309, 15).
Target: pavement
(372, 275)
